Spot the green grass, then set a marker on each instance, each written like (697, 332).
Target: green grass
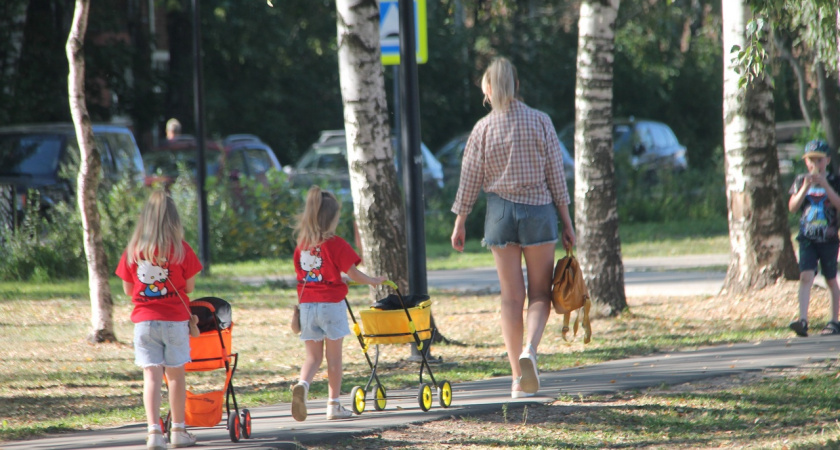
(694, 237)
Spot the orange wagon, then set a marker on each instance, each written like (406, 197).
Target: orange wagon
(212, 350)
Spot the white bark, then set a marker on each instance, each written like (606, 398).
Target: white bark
(596, 211)
(101, 303)
(377, 201)
(761, 249)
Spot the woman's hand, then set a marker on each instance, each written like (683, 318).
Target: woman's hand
(569, 238)
(459, 233)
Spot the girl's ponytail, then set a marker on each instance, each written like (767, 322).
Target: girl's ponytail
(319, 218)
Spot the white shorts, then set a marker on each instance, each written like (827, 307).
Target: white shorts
(323, 320)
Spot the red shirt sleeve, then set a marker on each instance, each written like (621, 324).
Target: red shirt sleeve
(344, 255)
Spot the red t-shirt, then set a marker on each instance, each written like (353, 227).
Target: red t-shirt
(320, 267)
(154, 294)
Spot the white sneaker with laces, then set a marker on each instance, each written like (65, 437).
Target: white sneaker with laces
(299, 394)
(179, 437)
(155, 441)
(530, 379)
(336, 411)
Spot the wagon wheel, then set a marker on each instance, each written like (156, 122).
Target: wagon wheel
(233, 427)
(245, 422)
(445, 394)
(357, 395)
(379, 399)
(424, 396)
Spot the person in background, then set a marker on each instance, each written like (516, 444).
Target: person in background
(814, 194)
(158, 270)
(173, 129)
(320, 258)
(513, 155)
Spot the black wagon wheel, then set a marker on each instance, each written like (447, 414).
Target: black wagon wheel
(234, 430)
(245, 423)
(445, 394)
(357, 396)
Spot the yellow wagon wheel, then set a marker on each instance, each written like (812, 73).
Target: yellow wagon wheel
(445, 394)
(379, 399)
(424, 397)
(358, 397)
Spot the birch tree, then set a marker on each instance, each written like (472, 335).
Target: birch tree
(377, 200)
(596, 211)
(761, 249)
(90, 165)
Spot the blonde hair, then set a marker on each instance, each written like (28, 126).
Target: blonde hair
(319, 219)
(173, 126)
(159, 233)
(499, 78)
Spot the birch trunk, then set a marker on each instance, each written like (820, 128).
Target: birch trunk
(90, 164)
(377, 200)
(761, 249)
(596, 211)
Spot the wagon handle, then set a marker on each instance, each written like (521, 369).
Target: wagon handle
(388, 283)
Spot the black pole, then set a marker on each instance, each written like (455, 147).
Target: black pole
(412, 158)
(203, 235)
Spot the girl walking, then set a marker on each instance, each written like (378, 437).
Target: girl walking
(158, 270)
(320, 258)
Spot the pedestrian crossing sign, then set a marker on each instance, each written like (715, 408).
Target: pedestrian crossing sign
(389, 31)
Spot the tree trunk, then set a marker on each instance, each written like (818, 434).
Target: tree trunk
(761, 249)
(827, 92)
(596, 210)
(377, 200)
(90, 164)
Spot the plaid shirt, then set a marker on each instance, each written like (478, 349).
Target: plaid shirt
(514, 154)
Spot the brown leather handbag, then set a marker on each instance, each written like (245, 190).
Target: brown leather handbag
(569, 293)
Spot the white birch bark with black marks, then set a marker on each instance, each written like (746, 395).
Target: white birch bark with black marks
(377, 200)
(90, 165)
(596, 210)
(761, 248)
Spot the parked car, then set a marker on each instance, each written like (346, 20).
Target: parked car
(451, 153)
(649, 145)
(326, 159)
(45, 157)
(238, 155)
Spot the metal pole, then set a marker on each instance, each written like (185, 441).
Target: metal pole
(412, 158)
(203, 235)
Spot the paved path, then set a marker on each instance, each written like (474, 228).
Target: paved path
(274, 428)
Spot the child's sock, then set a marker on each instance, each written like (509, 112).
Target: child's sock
(182, 426)
(334, 400)
(305, 384)
(155, 427)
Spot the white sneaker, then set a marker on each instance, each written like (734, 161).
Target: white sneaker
(299, 393)
(179, 437)
(336, 411)
(155, 441)
(517, 392)
(530, 379)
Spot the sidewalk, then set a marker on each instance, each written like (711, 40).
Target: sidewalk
(274, 428)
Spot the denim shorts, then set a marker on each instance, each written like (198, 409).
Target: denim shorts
(323, 320)
(825, 252)
(161, 343)
(507, 222)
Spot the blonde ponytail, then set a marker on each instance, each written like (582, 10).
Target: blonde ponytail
(319, 219)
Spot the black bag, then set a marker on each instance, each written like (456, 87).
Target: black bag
(207, 319)
(392, 301)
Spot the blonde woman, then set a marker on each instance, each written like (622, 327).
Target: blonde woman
(514, 156)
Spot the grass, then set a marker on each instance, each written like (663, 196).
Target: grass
(694, 237)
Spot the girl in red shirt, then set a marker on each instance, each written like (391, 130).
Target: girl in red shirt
(320, 258)
(158, 283)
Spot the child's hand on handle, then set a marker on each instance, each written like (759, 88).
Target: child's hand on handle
(194, 331)
(376, 281)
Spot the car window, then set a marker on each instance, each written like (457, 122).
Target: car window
(660, 138)
(324, 157)
(670, 137)
(127, 159)
(104, 154)
(29, 154)
(622, 135)
(165, 162)
(645, 136)
(258, 161)
(235, 163)
(450, 155)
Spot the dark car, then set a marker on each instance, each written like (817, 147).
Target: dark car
(326, 159)
(45, 157)
(451, 153)
(238, 156)
(647, 144)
